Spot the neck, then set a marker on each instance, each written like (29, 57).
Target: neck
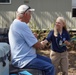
(60, 31)
(21, 19)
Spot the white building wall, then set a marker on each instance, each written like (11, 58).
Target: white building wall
(74, 3)
(45, 15)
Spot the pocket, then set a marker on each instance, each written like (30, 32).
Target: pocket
(52, 53)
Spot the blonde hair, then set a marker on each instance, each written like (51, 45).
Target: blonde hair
(64, 27)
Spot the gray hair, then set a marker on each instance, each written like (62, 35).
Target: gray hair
(19, 14)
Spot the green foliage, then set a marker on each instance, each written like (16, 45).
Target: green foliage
(42, 34)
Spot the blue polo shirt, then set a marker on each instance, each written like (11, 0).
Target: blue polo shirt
(55, 46)
(21, 41)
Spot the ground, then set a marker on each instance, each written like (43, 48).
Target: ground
(72, 60)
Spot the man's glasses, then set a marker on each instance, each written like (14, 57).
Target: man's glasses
(26, 10)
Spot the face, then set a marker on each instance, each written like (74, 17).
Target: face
(28, 16)
(59, 24)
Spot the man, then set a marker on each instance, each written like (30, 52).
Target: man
(24, 44)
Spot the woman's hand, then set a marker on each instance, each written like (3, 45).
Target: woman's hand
(44, 42)
(67, 43)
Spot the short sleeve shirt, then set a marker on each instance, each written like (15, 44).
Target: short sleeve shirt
(21, 41)
(55, 46)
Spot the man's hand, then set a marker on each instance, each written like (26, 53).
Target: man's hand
(38, 45)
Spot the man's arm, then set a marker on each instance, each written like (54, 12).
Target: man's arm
(38, 45)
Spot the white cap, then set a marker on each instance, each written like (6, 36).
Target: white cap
(24, 8)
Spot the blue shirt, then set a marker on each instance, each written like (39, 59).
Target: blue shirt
(21, 41)
(55, 41)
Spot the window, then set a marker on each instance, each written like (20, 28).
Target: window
(5, 1)
(73, 8)
(74, 12)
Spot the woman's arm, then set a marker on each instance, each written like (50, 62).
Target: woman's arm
(67, 43)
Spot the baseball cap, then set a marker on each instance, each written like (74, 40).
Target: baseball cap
(23, 8)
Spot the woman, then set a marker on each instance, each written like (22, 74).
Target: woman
(59, 38)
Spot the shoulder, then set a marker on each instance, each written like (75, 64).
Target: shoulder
(18, 23)
(19, 26)
(51, 32)
(22, 26)
(65, 31)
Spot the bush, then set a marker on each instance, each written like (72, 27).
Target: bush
(42, 34)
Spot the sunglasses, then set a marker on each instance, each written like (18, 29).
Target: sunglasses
(26, 10)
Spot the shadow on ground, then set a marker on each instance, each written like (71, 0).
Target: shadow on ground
(71, 56)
